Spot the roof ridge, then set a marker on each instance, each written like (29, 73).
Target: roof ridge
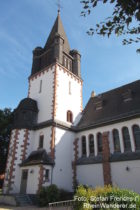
(114, 89)
(114, 107)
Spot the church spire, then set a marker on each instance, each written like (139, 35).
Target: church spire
(56, 49)
(58, 29)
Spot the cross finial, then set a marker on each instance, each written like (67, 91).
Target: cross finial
(59, 6)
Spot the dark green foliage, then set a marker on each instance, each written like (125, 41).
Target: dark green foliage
(48, 195)
(125, 19)
(5, 129)
(53, 194)
(65, 195)
(107, 195)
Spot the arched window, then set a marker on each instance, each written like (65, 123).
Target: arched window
(84, 150)
(69, 88)
(69, 116)
(116, 140)
(41, 141)
(64, 61)
(91, 144)
(99, 142)
(136, 134)
(40, 86)
(126, 139)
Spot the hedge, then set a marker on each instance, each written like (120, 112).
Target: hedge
(108, 197)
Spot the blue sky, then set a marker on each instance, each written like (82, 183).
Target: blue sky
(25, 24)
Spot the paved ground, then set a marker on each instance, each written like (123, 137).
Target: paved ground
(22, 208)
(32, 208)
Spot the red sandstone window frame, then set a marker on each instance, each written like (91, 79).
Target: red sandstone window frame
(116, 145)
(47, 175)
(69, 116)
(40, 86)
(41, 141)
(126, 139)
(69, 87)
(91, 144)
(135, 133)
(83, 146)
(99, 143)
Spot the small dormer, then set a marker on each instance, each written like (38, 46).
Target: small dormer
(127, 95)
(98, 102)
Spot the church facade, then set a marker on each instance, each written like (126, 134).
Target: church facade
(55, 141)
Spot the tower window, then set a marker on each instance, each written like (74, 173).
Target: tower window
(69, 116)
(116, 140)
(40, 86)
(126, 139)
(67, 61)
(70, 65)
(99, 142)
(47, 175)
(69, 88)
(84, 150)
(91, 144)
(136, 134)
(64, 61)
(41, 141)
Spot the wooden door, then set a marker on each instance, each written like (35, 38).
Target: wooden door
(24, 179)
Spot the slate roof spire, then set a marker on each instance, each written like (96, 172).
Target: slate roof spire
(58, 29)
(56, 49)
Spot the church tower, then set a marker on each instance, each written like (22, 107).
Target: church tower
(40, 151)
(55, 72)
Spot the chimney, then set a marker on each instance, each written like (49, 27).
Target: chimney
(93, 94)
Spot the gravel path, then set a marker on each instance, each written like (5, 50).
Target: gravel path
(32, 208)
(22, 208)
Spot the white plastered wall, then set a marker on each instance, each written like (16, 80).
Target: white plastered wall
(46, 183)
(109, 128)
(120, 176)
(35, 139)
(32, 183)
(45, 97)
(62, 172)
(33, 179)
(124, 178)
(91, 175)
(17, 172)
(18, 155)
(65, 100)
(5, 187)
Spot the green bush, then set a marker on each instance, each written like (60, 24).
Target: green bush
(65, 195)
(53, 194)
(108, 197)
(48, 195)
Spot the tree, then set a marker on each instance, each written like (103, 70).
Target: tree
(5, 129)
(125, 19)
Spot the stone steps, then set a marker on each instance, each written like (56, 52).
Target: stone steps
(23, 200)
